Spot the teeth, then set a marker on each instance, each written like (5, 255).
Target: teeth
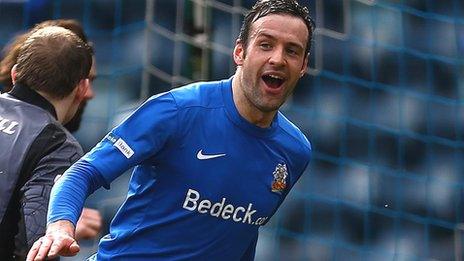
(275, 77)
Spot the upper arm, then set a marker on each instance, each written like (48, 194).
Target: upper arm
(139, 137)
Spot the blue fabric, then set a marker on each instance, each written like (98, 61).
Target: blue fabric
(70, 191)
(202, 185)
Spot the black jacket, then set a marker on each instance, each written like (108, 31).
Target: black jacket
(34, 149)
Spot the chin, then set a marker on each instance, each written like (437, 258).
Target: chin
(268, 107)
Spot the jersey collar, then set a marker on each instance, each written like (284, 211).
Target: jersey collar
(28, 95)
(241, 122)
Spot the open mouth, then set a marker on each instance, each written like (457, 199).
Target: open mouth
(273, 81)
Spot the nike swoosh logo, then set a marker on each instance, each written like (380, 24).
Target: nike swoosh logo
(202, 156)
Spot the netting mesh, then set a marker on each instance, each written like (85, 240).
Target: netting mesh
(382, 104)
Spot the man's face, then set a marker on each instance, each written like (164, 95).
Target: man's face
(74, 124)
(273, 61)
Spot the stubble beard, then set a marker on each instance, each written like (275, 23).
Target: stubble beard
(258, 99)
(75, 122)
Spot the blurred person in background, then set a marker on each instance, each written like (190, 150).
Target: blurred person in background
(90, 221)
(50, 80)
(214, 160)
(10, 55)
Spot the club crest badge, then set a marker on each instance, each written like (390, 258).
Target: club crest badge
(280, 178)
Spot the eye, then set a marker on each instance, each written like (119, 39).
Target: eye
(292, 51)
(265, 46)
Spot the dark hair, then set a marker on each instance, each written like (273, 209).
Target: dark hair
(263, 8)
(11, 51)
(53, 60)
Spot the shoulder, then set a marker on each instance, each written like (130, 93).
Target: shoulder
(199, 94)
(51, 153)
(293, 135)
(194, 95)
(54, 139)
(23, 111)
(27, 122)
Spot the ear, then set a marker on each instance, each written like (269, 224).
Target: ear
(81, 89)
(13, 74)
(239, 53)
(305, 66)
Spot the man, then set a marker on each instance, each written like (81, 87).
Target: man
(47, 92)
(214, 160)
(90, 222)
(11, 54)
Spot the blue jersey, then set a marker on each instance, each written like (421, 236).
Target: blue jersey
(205, 178)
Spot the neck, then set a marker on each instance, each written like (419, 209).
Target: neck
(246, 108)
(61, 105)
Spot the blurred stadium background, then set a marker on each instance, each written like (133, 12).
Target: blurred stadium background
(383, 104)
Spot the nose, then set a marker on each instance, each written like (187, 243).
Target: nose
(277, 57)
